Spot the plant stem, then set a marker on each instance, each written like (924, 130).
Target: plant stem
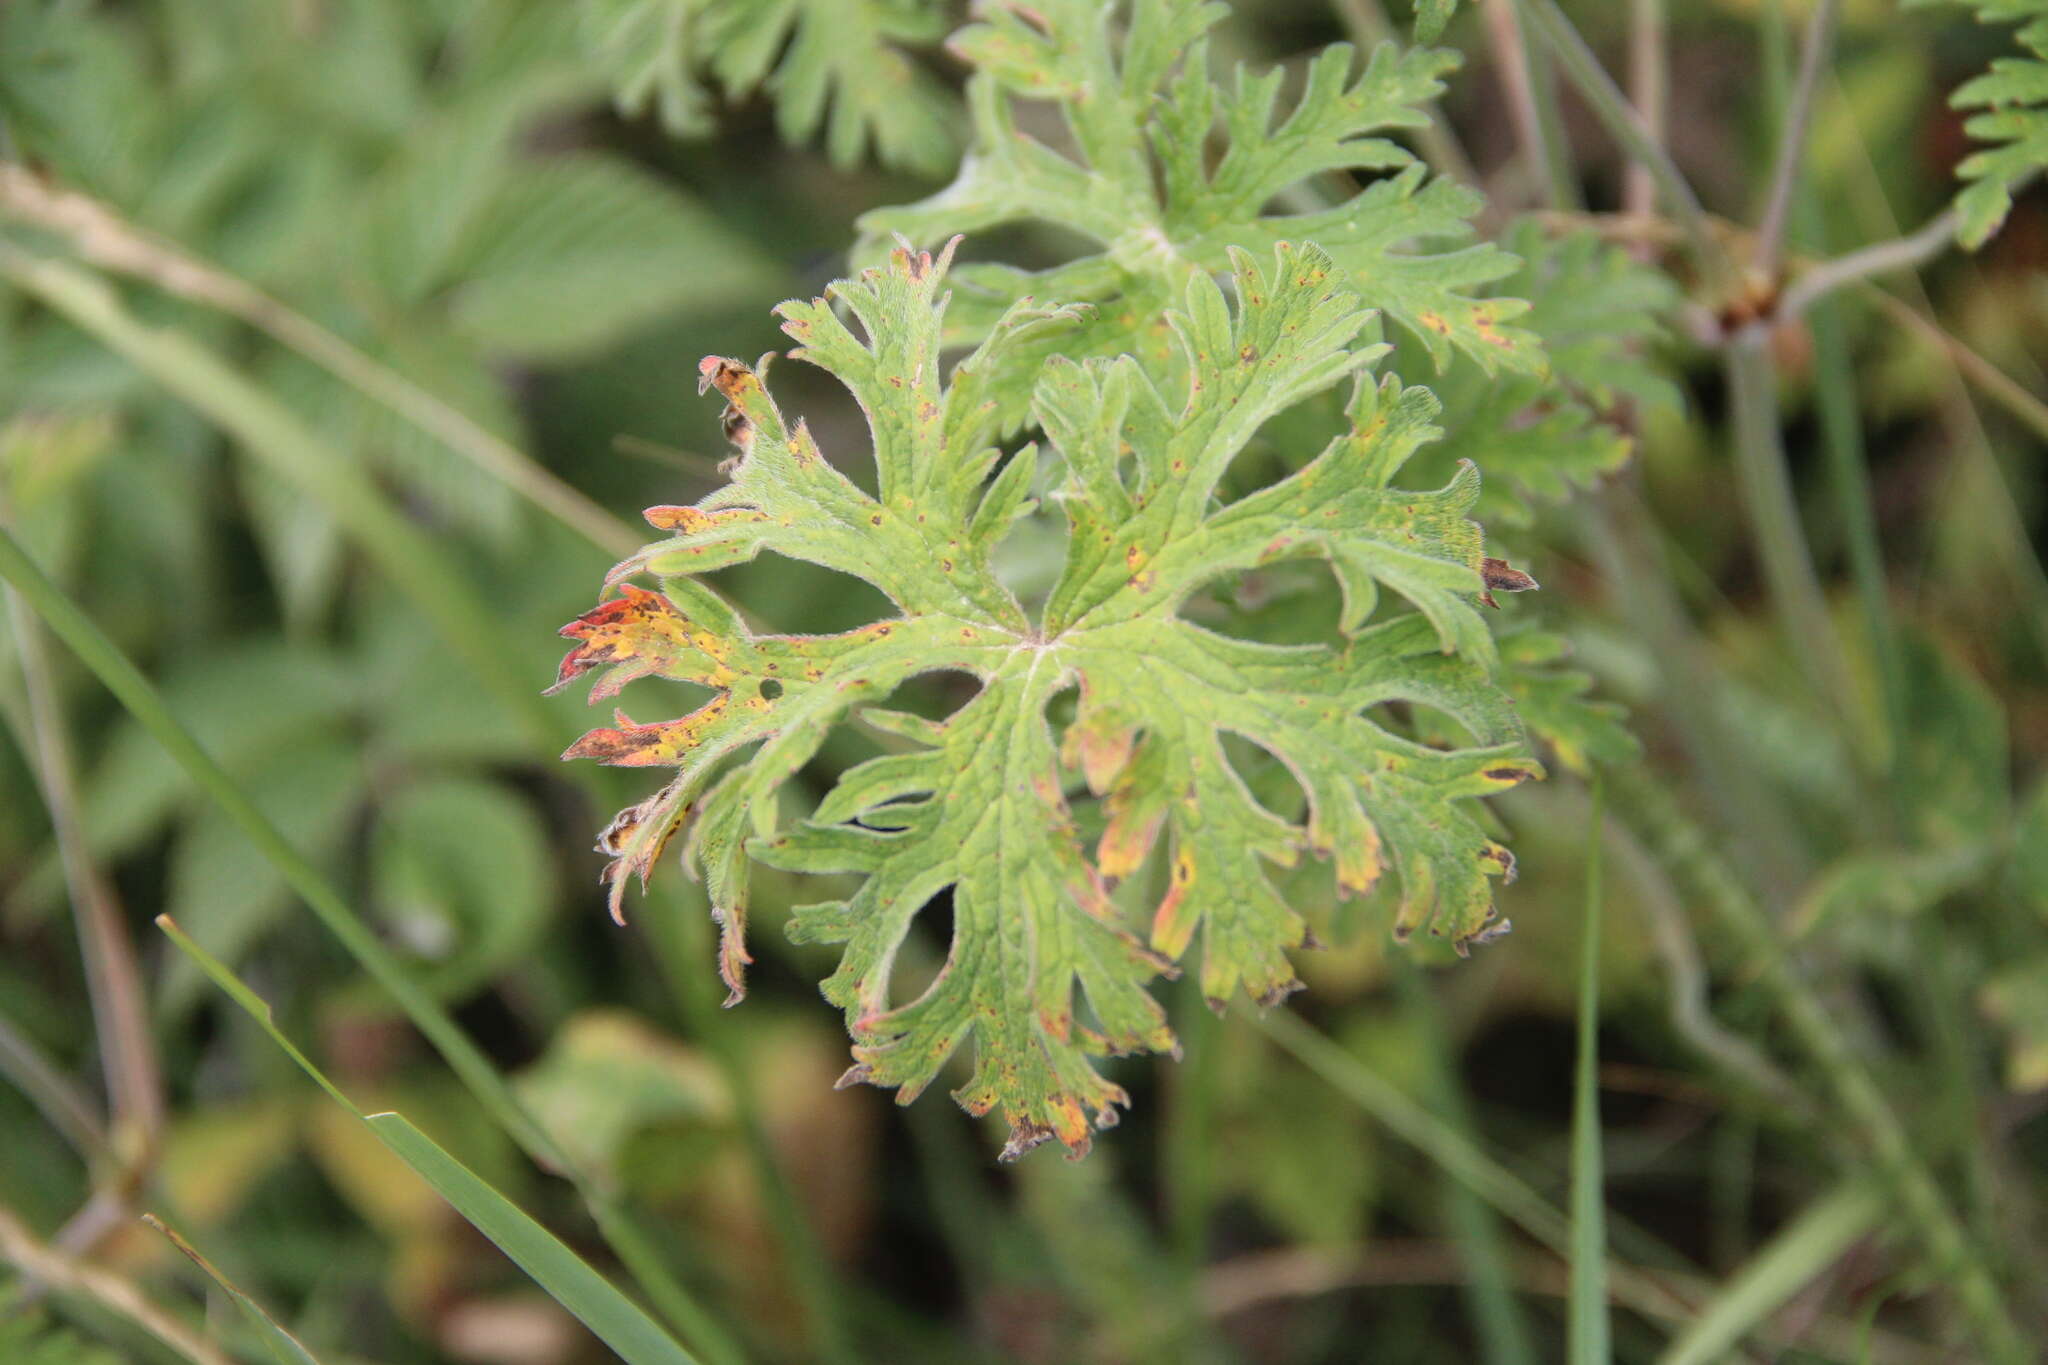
(121, 677)
(1190, 1134)
(113, 978)
(1457, 1156)
(2020, 403)
(1586, 1320)
(1766, 488)
(1950, 1252)
(1841, 430)
(1916, 248)
(1627, 127)
(681, 937)
(1532, 95)
(67, 1108)
(1796, 1256)
(1770, 233)
(1649, 76)
(20, 1248)
(1692, 1017)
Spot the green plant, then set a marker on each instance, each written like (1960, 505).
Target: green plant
(324, 326)
(1135, 479)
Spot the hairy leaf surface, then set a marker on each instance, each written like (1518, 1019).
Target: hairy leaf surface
(1043, 976)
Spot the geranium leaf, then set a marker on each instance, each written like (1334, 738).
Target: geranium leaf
(1043, 976)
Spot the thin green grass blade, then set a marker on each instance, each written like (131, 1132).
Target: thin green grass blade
(1805, 1248)
(568, 1278)
(1497, 1318)
(1459, 1157)
(616, 1320)
(1586, 1314)
(70, 624)
(284, 1348)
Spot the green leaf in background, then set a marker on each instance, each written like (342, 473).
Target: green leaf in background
(2016, 998)
(580, 249)
(831, 64)
(1154, 205)
(2011, 100)
(1806, 1248)
(458, 869)
(282, 1346)
(223, 887)
(1541, 437)
(607, 1075)
(979, 806)
(1430, 18)
(1553, 705)
(27, 1338)
(615, 1319)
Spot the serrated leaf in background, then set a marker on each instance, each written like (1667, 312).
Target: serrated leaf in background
(1601, 316)
(836, 65)
(2011, 100)
(1142, 191)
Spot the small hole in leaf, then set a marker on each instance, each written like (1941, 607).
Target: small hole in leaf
(770, 689)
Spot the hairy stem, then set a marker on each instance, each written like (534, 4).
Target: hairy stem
(1916, 248)
(2020, 403)
(1532, 97)
(67, 1108)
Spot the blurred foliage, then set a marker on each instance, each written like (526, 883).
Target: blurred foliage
(542, 215)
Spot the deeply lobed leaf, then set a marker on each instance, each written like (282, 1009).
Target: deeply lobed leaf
(1142, 188)
(1042, 975)
(1599, 314)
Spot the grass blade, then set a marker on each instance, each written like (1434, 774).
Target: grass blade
(284, 1348)
(1497, 1319)
(616, 1320)
(142, 700)
(568, 1278)
(1459, 1157)
(1808, 1245)
(1586, 1314)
